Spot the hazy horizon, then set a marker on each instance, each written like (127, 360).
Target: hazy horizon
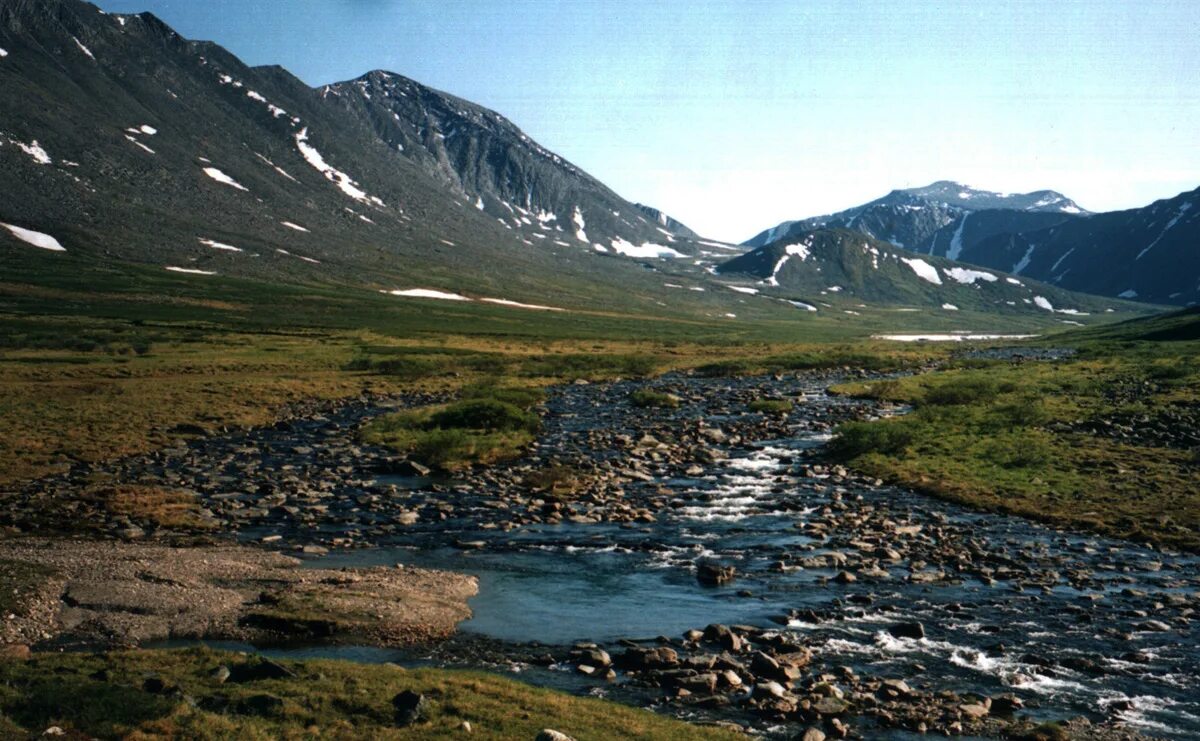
(733, 118)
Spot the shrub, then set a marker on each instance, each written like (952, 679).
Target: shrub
(649, 399)
(724, 368)
(771, 406)
(1019, 451)
(960, 390)
(859, 438)
(518, 396)
(483, 414)
(1027, 411)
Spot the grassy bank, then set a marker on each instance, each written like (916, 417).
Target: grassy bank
(1093, 441)
(178, 694)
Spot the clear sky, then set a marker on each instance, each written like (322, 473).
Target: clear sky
(734, 115)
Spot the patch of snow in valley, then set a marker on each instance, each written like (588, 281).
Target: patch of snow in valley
(297, 227)
(743, 289)
(189, 271)
(222, 178)
(924, 270)
(949, 307)
(427, 293)
(343, 181)
(802, 305)
(968, 277)
(1014, 281)
(648, 249)
(956, 337)
(516, 304)
(37, 239)
(1043, 303)
(219, 245)
(148, 130)
(3, 54)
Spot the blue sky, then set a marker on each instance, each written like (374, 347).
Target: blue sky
(733, 116)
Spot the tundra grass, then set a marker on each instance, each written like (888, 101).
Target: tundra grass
(1054, 441)
(108, 696)
(483, 429)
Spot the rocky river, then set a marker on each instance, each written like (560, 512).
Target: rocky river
(706, 561)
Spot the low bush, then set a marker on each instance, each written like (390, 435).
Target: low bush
(483, 414)
(860, 438)
(650, 399)
(771, 406)
(960, 390)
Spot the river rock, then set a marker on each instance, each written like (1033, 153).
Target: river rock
(913, 630)
(714, 574)
(411, 707)
(641, 659)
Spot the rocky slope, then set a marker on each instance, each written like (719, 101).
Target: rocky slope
(819, 266)
(915, 217)
(126, 142)
(1146, 254)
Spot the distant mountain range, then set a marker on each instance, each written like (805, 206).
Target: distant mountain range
(1149, 254)
(823, 264)
(123, 143)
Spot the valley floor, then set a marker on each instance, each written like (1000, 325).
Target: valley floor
(97, 553)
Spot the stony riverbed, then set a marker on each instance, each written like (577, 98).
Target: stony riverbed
(706, 561)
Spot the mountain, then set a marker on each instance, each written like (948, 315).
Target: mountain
(122, 141)
(927, 219)
(1150, 254)
(492, 164)
(126, 148)
(816, 267)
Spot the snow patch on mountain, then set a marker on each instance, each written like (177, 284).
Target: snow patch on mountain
(84, 49)
(222, 178)
(967, 276)
(33, 149)
(37, 239)
(302, 257)
(1024, 261)
(219, 245)
(1183, 209)
(956, 244)
(344, 182)
(648, 249)
(137, 143)
(580, 224)
(189, 271)
(923, 270)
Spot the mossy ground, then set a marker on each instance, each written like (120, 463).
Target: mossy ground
(107, 696)
(1021, 438)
